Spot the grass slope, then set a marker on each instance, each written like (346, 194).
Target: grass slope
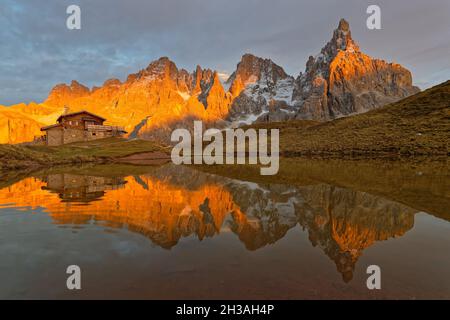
(21, 156)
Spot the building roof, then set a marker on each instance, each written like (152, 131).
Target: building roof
(50, 127)
(79, 112)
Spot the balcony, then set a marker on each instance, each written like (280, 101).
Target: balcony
(94, 127)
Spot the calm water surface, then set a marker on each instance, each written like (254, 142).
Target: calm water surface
(180, 232)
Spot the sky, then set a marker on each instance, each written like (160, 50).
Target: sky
(119, 37)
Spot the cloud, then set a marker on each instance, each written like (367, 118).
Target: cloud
(223, 76)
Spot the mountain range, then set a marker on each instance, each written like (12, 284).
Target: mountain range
(340, 81)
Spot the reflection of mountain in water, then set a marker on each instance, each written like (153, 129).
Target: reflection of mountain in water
(344, 222)
(175, 202)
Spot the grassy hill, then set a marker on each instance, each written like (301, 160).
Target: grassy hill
(417, 125)
(104, 150)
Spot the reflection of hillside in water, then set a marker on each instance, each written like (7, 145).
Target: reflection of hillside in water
(175, 202)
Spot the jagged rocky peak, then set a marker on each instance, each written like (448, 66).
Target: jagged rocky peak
(214, 97)
(164, 70)
(203, 79)
(342, 40)
(216, 84)
(256, 84)
(252, 69)
(260, 80)
(184, 81)
(342, 80)
(63, 92)
(75, 88)
(112, 82)
(160, 69)
(109, 85)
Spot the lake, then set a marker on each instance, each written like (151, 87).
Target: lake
(225, 232)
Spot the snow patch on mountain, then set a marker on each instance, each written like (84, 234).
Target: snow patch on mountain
(184, 95)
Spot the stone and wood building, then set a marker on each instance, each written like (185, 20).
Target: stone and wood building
(79, 126)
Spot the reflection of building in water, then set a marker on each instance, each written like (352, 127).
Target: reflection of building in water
(77, 188)
(175, 202)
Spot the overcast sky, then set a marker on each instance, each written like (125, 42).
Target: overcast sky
(120, 37)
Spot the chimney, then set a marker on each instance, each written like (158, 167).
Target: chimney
(66, 109)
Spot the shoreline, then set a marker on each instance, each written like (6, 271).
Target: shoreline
(158, 157)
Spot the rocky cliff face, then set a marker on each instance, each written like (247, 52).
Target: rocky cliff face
(151, 102)
(16, 127)
(63, 93)
(21, 123)
(342, 80)
(256, 84)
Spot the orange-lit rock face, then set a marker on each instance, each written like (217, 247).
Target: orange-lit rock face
(63, 93)
(154, 98)
(237, 86)
(218, 101)
(16, 127)
(342, 80)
